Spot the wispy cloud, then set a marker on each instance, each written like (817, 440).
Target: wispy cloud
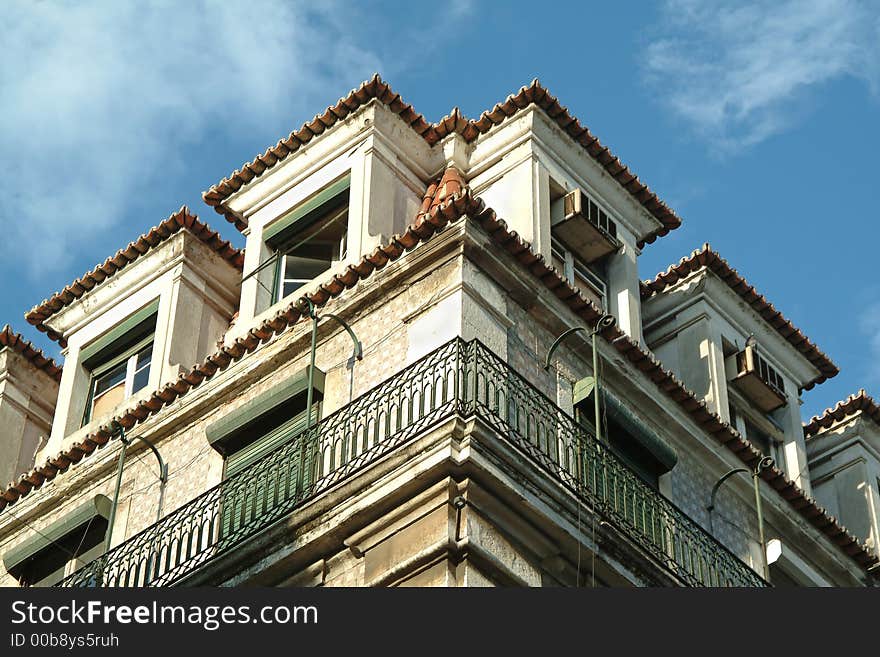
(96, 98)
(738, 72)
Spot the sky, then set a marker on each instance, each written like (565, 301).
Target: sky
(757, 122)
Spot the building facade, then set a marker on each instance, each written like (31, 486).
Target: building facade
(433, 363)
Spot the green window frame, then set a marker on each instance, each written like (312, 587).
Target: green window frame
(122, 349)
(135, 378)
(308, 240)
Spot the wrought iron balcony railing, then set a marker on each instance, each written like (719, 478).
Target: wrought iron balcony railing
(459, 378)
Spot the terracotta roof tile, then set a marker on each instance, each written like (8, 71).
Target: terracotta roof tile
(182, 219)
(706, 257)
(453, 208)
(14, 341)
(861, 402)
(454, 122)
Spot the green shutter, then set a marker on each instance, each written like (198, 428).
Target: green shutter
(263, 414)
(661, 451)
(258, 483)
(134, 328)
(33, 546)
(262, 489)
(253, 452)
(279, 231)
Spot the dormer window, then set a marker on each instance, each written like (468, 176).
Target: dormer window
(119, 363)
(586, 278)
(309, 240)
(762, 431)
(312, 254)
(120, 380)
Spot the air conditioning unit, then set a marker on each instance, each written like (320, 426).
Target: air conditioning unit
(585, 227)
(758, 380)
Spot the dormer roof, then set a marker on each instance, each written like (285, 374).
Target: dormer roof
(860, 402)
(709, 259)
(9, 339)
(180, 220)
(470, 129)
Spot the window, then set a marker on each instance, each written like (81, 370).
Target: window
(312, 253)
(584, 277)
(45, 558)
(761, 440)
(637, 445)
(119, 380)
(119, 362)
(266, 438)
(309, 240)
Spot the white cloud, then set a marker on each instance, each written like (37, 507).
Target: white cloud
(740, 72)
(97, 98)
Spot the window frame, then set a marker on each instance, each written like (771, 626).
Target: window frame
(84, 553)
(742, 410)
(339, 248)
(280, 236)
(574, 268)
(62, 547)
(129, 356)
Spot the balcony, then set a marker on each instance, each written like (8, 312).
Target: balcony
(585, 227)
(758, 381)
(458, 379)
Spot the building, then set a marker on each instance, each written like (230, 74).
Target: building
(367, 394)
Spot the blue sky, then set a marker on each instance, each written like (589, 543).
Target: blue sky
(756, 121)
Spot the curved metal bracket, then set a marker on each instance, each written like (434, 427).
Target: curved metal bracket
(720, 482)
(763, 464)
(358, 348)
(604, 322)
(558, 342)
(305, 301)
(163, 466)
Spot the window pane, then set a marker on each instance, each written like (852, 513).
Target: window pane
(142, 368)
(759, 439)
(314, 251)
(299, 265)
(144, 357)
(289, 287)
(108, 400)
(111, 378)
(303, 264)
(590, 284)
(141, 379)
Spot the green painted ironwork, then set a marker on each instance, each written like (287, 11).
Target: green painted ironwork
(462, 379)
